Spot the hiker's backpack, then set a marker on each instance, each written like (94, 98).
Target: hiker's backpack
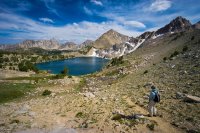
(157, 97)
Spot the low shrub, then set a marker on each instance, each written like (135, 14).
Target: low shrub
(80, 115)
(116, 61)
(185, 48)
(59, 76)
(46, 92)
(116, 117)
(146, 71)
(151, 126)
(192, 38)
(174, 54)
(64, 71)
(14, 121)
(165, 58)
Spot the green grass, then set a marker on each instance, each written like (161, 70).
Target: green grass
(151, 126)
(112, 72)
(11, 91)
(80, 115)
(81, 84)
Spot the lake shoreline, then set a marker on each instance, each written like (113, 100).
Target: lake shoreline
(77, 66)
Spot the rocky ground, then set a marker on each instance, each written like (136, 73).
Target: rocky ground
(91, 109)
(12, 73)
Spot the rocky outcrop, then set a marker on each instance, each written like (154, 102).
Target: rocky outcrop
(189, 98)
(86, 43)
(8, 46)
(110, 38)
(176, 25)
(196, 26)
(68, 46)
(146, 35)
(44, 44)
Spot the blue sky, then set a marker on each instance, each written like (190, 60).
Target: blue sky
(78, 20)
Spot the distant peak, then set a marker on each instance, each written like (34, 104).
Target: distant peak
(111, 30)
(176, 25)
(179, 17)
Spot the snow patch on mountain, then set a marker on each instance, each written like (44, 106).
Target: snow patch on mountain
(116, 50)
(156, 36)
(137, 46)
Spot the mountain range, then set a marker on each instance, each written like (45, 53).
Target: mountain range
(178, 24)
(112, 44)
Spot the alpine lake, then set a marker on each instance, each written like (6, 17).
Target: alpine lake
(76, 66)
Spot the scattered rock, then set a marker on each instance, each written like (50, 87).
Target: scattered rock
(34, 125)
(138, 116)
(23, 110)
(172, 66)
(161, 90)
(32, 114)
(146, 97)
(53, 94)
(89, 94)
(148, 84)
(179, 95)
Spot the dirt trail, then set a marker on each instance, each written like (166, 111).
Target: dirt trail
(162, 127)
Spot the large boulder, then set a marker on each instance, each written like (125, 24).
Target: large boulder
(189, 98)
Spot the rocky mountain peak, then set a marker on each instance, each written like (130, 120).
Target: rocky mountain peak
(86, 43)
(196, 25)
(180, 21)
(68, 46)
(44, 44)
(176, 25)
(109, 39)
(111, 31)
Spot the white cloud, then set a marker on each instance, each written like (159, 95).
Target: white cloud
(160, 5)
(48, 20)
(87, 11)
(125, 22)
(77, 32)
(96, 2)
(135, 24)
(49, 5)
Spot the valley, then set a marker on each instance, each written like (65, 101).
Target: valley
(116, 98)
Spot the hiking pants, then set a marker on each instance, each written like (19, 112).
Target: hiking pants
(151, 108)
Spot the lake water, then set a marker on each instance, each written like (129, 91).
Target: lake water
(76, 66)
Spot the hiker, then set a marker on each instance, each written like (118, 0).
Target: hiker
(154, 97)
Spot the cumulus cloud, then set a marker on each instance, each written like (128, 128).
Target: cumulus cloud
(48, 20)
(96, 2)
(160, 5)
